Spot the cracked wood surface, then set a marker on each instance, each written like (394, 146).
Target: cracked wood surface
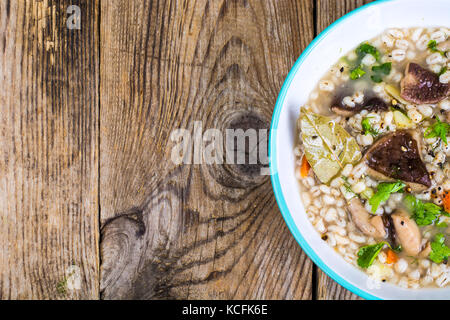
(86, 174)
(194, 231)
(198, 231)
(49, 150)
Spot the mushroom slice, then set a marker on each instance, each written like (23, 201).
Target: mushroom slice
(421, 86)
(426, 250)
(407, 233)
(374, 104)
(345, 111)
(372, 226)
(396, 156)
(447, 116)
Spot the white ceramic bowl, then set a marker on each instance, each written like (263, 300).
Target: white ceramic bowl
(345, 34)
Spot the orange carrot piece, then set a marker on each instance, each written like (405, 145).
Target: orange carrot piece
(446, 201)
(304, 170)
(391, 257)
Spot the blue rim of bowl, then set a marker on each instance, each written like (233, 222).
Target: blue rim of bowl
(273, 161)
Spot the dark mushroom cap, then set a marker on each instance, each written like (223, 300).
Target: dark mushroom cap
(422, 86)
(373, 104)
(396, 156)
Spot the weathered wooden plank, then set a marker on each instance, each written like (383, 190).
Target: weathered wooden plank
(329, 11)
(194, 231)
(49, 151)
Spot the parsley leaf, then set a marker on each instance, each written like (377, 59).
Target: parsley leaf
(438, 130)
(441, 224)
(367, 254)
(443, 70)
(357, 73)
(379, 71)
(439, 251)
(432, 45)
(366, 48)
(376, 78)
(383, 193)
(367, 128)
(423, 213)
(385, 68)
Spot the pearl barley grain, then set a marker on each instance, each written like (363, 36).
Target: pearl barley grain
(422, 44)
(359, 187)
(426, 110)
(399, 55)
(434, 58)
(401, 265)
(402, 44)
(368, 60)
(326, 85)
(445, 78)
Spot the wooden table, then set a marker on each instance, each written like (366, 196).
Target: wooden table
(85, 173)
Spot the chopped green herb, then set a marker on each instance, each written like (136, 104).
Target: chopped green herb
(398, 248)
(357, 73)
(441, 224)
(347, 185)
(443, 70)
(397, 108)
(366, 48)
(439, 251)
(367, 193)
(423, 213)
(380, 71)
(383, 193)
(385, 68)
(358, 70)
(438, 130)
(376, 78)
(432, 45)
(367, 254)
(367, 128)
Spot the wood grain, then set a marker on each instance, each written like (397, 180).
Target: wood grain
(329, 11)
(194, 231)
(85, 138)
(49, 159)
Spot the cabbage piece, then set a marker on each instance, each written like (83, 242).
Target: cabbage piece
(328, 147)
